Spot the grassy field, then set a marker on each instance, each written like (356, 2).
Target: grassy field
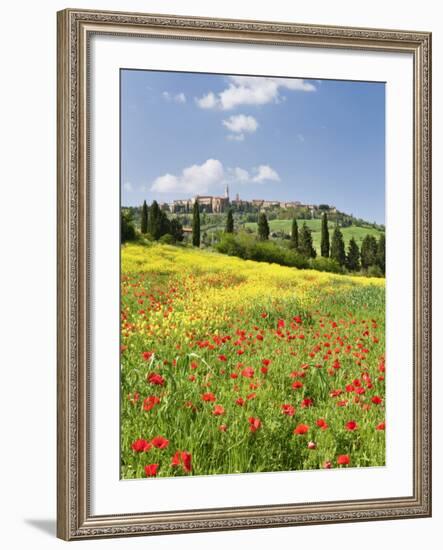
(232, 366)
(359, 233)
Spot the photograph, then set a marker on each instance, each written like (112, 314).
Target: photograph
(252, 274)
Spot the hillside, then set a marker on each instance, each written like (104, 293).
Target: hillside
(359, 233)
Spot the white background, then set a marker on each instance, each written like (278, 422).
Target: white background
(109, 495)
(27, 489)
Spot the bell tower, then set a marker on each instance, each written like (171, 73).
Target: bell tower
(227, 192)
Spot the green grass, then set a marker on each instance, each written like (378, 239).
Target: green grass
(359, 233)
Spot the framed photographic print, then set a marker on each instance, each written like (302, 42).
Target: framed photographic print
(243, 274)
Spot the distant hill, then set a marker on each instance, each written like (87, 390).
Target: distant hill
(359, 233)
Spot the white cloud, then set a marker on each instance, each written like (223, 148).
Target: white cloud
(260, 174)
(208, 101)
(177, 98)
(195, 179)
(247, 90)
(265, 173)
(199, 179)
(241, 123)
(127, 186)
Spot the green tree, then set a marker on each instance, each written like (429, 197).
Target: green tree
(381, 253)
(196, 224)
(368, 251)
(324, 246)
(165, 224)
(230, 222)
(127, 227)
(305, 242)
(353, 256)
(176, 229)
(263, 227)
(154, 219)
(338, 247)
(144, 222)
(294, 234)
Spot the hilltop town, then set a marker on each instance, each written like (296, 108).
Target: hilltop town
(219, 204)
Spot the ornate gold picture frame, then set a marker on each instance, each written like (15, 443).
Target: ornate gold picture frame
(75, 519)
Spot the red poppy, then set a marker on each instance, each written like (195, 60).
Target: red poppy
(208, 396)
(297, 384)
(351, 425)
(266, 362)
(287, 409)
(218, 410)
(327, 465)
(376, 400)
(156, 379)
(222, 357)
(380, 426)
(248, 372)
(254, 424)
(307, 402)
(301, 429)
(312, 445)
(147, 355)
(321, 423)
(160, 442)
(264, 370)
(141, 445)
(240, 401)
(151, 470)
(150, 402)
(280, 323)
(182, 458)
(223, 428)
(343, 460)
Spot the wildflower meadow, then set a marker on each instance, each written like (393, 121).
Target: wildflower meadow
(233, 366)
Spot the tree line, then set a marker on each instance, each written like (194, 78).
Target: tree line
(154, 224)
(371, 255)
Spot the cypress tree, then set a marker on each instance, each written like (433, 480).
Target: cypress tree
(353, 256)
(381, 253)
(230, 222)
(368, 251)
(294, 234)
(305, 245)
(127, 231)
(154, 219)
(324, 246)
(338, 247)
(196, 224)
(263, 227)
(165, 224)
(144, 222)
(176, 229)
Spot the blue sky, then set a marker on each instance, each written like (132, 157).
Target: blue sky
(315, 141)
